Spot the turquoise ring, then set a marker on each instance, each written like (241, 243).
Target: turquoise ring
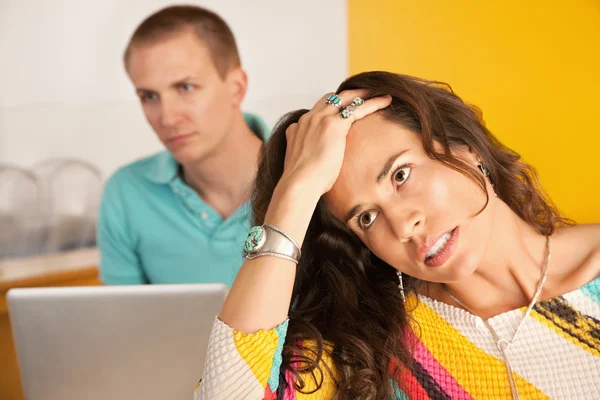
(347, 114)
(358, 102)
(335, 100)
(349, 111)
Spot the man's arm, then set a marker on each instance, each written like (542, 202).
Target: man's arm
(119, 262)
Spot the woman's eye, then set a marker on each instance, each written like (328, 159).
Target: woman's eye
(365, 220)
(401, 175)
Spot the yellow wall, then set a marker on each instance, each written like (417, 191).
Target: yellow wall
(533, 68)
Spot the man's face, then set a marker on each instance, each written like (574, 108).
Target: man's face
(187, 103)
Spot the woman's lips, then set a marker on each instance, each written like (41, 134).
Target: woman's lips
(446, 252)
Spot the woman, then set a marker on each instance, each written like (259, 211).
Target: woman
(431, 264)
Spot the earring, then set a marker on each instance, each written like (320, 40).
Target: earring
(401, 285)
(486, 173)
(484, 170)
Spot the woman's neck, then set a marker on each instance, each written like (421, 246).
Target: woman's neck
(508, 274)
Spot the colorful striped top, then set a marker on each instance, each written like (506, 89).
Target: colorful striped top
(555, 356)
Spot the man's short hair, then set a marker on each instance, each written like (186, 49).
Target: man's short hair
(211, 29)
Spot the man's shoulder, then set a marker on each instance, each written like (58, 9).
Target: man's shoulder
(142, 169)
(137, 175)
(147, 165)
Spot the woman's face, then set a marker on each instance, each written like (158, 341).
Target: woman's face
(414, 213)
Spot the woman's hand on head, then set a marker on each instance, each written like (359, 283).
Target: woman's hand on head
(316, 144)
(261, 294)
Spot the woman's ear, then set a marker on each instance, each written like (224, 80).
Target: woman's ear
(468, 154)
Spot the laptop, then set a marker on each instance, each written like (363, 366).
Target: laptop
(113, 342)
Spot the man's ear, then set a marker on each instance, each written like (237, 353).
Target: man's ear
(237, 80)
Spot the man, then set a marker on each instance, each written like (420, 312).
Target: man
(181, 216)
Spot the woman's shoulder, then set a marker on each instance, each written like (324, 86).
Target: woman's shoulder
(583, 237)
(576, 254)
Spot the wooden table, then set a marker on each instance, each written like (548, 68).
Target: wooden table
(74, 268)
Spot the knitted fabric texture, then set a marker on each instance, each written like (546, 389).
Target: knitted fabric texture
(555, 356)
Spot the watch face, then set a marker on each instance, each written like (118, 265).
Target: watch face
(255, 240)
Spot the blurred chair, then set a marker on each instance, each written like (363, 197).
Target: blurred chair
(72, 190)
(22, 221)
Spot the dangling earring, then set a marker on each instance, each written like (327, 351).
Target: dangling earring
(401, 285)
(486, 173)
(483, 169)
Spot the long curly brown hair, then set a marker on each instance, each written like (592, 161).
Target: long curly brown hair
(346, 297)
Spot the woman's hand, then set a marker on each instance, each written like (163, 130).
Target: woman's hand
(316, 144)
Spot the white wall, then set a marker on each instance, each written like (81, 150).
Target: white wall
(64, 92)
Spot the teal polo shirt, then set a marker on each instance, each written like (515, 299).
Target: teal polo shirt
(153, 228)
